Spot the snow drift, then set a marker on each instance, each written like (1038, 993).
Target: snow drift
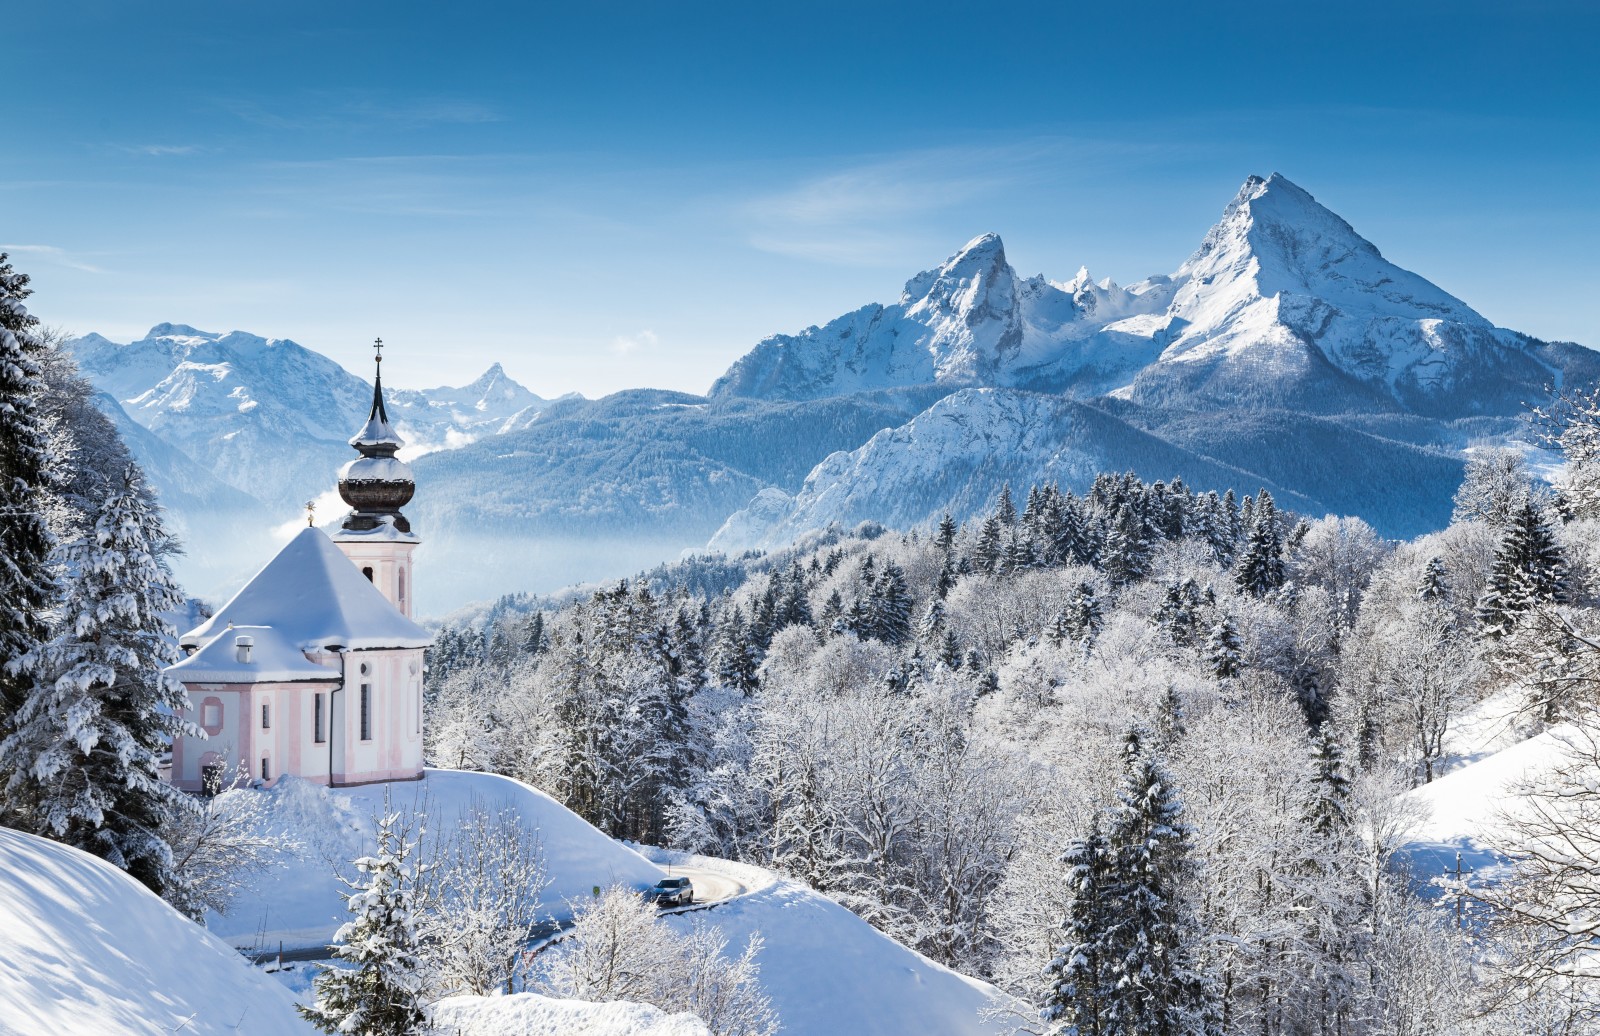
(87, 949)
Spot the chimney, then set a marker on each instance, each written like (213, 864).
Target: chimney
(242, 646)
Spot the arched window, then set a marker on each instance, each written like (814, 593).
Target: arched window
(402, 588)
(367, 571)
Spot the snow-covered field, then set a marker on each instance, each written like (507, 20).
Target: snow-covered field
(86, 949)
(299, 903)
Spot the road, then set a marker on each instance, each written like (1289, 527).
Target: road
(710, 888)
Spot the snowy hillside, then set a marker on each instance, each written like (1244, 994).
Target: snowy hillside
(85, 949)
(827, 971)
(299, 904)
(957, 454)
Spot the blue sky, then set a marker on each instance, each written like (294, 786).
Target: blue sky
(608, 195)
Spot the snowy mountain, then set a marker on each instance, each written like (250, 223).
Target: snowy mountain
(270, 417)
(971, 321)
(1285, 304)
(1285, 352)
(1282, 305)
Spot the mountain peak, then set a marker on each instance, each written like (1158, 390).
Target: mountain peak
(176, 331)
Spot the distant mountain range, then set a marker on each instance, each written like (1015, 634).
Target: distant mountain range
(1286, 352)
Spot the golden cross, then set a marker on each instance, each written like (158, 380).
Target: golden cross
(311, 512)
(378, 344)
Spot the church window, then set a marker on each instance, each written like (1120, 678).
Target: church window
(211, 716)
(402, 578)
(416, 716)
(366, 712)
(318, 720)
(266, 715)
(367, 571)
(266, 769)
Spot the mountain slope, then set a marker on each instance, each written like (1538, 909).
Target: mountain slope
(955, 455)
(1285, 304)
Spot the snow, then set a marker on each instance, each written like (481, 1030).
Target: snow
(829, 972)
(299, 903)
(272, 659)
(86, 949)
(376, 469)
(313, 596)
(1464, 810)
(529, 1014)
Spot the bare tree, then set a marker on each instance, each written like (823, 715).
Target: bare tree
(485, 882)
(1547, 909)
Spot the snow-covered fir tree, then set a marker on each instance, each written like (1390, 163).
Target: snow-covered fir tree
(1153, 986)
(27, 587)
(385, 991)
(82, 754)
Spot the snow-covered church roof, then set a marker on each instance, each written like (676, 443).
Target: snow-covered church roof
(269, 659)
(313, 596)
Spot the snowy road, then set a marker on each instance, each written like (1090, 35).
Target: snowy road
(710, 888)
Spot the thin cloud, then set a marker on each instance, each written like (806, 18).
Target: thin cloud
(628, 345)
(53, 255)
(163, 150)
(864, 214)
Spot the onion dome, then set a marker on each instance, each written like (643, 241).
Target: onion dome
(377, 483)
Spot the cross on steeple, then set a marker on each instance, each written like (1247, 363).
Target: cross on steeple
(311, 512)
(377, 343)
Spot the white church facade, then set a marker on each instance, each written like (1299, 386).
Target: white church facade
(314, 668)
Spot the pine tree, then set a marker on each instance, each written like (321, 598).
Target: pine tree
(1261, 568)
(1077, 979)
(1223, 650)
(987, 552)
(26, 585)
(385, 994)
(1154, 987)
(890, 616)
(1085, 616)
(737, 661)
(1529, 570)
(946, 541)
(83, 754)
(1004, 510)
(1125, 558)
(1434, 585)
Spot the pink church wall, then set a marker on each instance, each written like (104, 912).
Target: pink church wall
(289, 744)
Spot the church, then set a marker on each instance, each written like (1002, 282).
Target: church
(314, 668)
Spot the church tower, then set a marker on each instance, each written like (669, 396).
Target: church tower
(375, 536)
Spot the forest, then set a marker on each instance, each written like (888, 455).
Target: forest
(1141, 757)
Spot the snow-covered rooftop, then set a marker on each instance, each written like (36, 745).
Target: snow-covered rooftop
(271, 659)
(313, 596)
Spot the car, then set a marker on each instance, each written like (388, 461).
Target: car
(670, 892)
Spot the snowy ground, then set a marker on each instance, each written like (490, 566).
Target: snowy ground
(86, 949)
(828, 972)
(299, 903)
(528, 1014)
(1489, 754)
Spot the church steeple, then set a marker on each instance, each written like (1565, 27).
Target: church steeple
(376, 484)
